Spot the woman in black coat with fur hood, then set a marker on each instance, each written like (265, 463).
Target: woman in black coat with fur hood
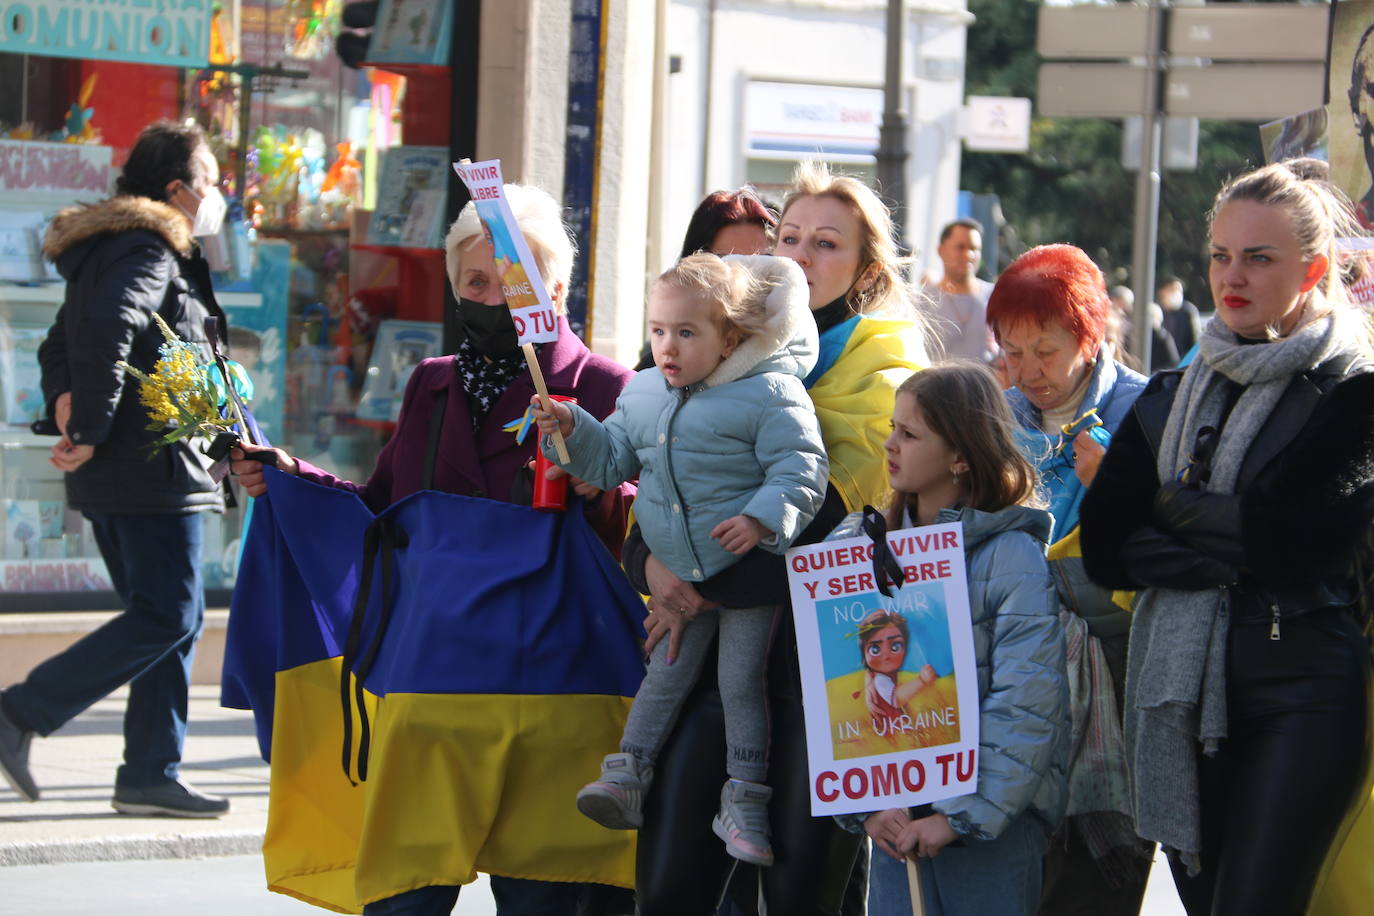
(126, 260)
(1235, 497)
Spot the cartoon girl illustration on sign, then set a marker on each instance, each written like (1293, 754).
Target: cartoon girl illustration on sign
(883, 640)
(896, 699)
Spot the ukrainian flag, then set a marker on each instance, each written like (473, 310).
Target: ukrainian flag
(498, 647)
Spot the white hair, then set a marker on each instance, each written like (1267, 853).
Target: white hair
(540, 220)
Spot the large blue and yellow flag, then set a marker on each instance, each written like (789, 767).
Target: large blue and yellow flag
(498, 648)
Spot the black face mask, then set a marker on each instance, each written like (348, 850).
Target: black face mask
(489, 328)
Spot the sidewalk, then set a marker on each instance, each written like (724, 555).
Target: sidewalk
(75, 768)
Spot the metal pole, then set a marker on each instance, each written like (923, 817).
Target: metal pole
(1144, 238)
(892, 154)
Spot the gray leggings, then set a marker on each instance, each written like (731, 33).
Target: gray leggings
(745, 635)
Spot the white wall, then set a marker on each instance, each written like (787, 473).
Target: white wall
(837, 42)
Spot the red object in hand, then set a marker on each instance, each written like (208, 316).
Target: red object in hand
(549, 495)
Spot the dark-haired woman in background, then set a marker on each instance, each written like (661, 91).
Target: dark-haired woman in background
(726, 222)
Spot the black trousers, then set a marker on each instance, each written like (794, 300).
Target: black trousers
(1274, 796)
(682, 868)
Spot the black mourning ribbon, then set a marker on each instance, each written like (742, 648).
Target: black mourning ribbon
(383, 537)
(887, 572)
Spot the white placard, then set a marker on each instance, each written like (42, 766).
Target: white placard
(890, 685)
(536, 320)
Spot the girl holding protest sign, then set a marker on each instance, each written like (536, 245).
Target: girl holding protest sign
(1238, 495)
(952, 457)
(729, 457)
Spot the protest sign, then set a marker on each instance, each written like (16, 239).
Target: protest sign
(890, 685)
(529, 302)
(536, 320)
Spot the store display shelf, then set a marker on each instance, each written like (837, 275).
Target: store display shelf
(51, 294)
(402, 251)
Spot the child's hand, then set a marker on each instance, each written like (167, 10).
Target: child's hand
(926, 836)
(739, 534)
(561, 418)
(885, 828)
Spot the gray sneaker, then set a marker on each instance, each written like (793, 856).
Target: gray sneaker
(743, 821)
(170, 799)
(616, 800)
(14, 757)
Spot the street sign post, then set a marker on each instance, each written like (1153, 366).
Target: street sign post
(1241, 61)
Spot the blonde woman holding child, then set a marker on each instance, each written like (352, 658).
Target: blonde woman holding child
(952, 457)
(729, 455)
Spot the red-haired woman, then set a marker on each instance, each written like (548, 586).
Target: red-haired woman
(1049, 313)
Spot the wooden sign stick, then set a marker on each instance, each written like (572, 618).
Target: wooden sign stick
(545, 401)
(913, 883)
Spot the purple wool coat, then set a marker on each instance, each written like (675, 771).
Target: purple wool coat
(486, 463)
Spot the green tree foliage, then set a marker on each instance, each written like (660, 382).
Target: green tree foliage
(1070, 186)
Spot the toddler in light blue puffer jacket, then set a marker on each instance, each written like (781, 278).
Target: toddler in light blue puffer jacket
(729, 455)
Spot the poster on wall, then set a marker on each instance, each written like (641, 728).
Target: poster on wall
(412, 193)
(138, 31)
(400, 347)
(889, 683)
(1351, 110)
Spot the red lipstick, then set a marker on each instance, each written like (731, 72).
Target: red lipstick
(1235, 302)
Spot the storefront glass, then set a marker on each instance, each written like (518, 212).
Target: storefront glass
(300, 140)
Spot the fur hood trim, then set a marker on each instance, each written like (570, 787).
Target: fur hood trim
(789, 341)
(118, 214)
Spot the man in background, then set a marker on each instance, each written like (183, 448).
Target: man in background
(958, 301)
(1181, 319)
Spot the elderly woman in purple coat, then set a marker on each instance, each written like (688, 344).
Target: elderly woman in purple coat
(487, 385)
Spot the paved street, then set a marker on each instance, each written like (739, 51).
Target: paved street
(71, 855)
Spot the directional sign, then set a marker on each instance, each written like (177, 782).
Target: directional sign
(1092, 31)
(1090, 90)
(1244, 91)
(1240, 91)
(1249, 31)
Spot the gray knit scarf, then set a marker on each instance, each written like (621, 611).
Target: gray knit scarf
(1176, 663)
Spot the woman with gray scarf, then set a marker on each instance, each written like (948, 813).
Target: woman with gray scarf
(1234, 497)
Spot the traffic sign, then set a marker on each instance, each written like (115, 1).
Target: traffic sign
(1100, 32)
(1249, 32)
(998, 124)
(1258, 92)
(1091, 90)
(1241, 92)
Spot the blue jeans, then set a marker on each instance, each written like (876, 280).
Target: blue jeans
(998, 877)
(514, 897)
(154, 564)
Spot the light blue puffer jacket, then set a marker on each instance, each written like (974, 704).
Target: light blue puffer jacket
(1023, 694)
(745, 441)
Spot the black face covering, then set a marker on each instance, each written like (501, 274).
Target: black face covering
(489, 328)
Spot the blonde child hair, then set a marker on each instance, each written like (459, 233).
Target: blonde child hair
(736, 294)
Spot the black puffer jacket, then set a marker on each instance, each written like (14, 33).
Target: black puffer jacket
(124, 259)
